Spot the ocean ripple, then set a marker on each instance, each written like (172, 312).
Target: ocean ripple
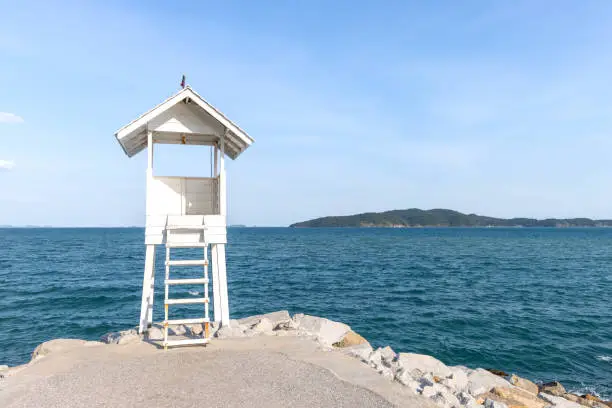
(529, 301)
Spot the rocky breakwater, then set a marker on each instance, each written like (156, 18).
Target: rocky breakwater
(447, 386)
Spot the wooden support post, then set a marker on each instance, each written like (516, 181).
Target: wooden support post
(216, 183)
(148, 280)
(150, 158)
(216, 287)
(148, 288)
(216, 162)
(206, 294)
(221, 275)
(222, 189)
(150, 146)
(166, 317)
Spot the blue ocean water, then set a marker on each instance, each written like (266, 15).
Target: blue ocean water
(530, 301)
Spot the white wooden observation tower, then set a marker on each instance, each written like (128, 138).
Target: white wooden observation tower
(186, 212)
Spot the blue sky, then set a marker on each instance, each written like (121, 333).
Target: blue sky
(498, 108)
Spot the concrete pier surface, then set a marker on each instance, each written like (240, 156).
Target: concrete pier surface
(260, 371)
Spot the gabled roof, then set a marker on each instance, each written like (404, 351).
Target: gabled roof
(194, 121)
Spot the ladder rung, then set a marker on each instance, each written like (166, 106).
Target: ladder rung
(185, 301)
(185, 342)
(197, 281)
(186, 227)
(189, 321)
(187, 262)
(186, 245)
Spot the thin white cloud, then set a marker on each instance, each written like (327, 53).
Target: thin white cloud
(7, 164)
(6, 117)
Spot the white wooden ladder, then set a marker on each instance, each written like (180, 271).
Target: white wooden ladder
(193, 281)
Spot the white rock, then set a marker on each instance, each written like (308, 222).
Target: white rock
(230, 331)
(122, 337)
(177, 330)
(383, 358)
(412, 386)
(458, 380)
(451, 399)
(251, 333)
(489, 403)
(361, 351)
(213, 327)
(327, 331)
(195, 330)
(559, 401)
(154, 333)
(287, 326)
(430, 390)
(276, 318)
(415, 373)
(465, 369)
(380, 363)
(110, 338)
(387, 356)
(129, 338)
(4, 367)
(466, 399)
(403, 377)
(409, 380)
(481, 380)
(425, 363)
(439, 400)
(446, 399)
(12, 371)
(264, 325)
(406, 378)
(59, 345)
(450, 383)
(375, 358)
(386, 372)
(426, 380)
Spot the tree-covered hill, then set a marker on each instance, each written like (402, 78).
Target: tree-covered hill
(415, 217)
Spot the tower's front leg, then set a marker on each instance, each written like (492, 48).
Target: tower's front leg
(148, 288)
(221, 300)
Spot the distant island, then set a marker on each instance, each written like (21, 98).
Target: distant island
(415, 217)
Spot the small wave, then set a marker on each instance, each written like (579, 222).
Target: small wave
(585, 390)
(605, 358)
(194, 292)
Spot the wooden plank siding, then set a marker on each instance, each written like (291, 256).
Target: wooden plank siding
(184, 201)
